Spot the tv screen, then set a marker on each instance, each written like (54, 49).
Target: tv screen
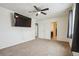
(22, 21)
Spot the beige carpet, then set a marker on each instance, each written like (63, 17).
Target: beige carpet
(38, 47)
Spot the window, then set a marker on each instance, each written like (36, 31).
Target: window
(70, 24)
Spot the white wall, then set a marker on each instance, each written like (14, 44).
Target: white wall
(45, 27)
(10, 35)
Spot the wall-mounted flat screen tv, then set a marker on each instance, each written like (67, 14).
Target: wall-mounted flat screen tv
(22, 21)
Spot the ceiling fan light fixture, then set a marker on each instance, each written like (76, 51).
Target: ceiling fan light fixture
(39, 12)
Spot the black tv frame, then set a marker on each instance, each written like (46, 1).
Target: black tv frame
(22, 21)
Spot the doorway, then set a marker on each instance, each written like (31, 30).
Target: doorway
(53, 30)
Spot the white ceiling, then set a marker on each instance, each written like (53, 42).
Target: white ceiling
(55, 9)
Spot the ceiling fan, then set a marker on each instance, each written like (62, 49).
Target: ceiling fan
(39, 11)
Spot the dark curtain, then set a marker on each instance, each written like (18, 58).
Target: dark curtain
(75, 43)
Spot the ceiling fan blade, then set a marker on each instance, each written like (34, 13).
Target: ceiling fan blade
(43, 13)
(45, 9)
(37, 14)
(36, 8)
(32, 11)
